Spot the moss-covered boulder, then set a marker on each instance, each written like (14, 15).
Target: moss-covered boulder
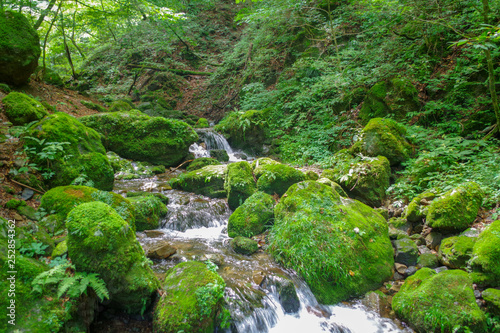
(59, 201)
(456, 251)
(486, 257)
(119, 105)
(126, 169)
(277, 178)
(339, 246)
(202, 123)
(252, 217)
(258, 165)
(456, 209)
(406, 251)
(239, 184)
(219, 154)
(492, 299)
(363, 178)
(244, 245)
(417, 208)
(336, 187)
(396, 97)
(202, 162)
(83, 154)
(207, 181)
(21, 109)
(19, 48)
(429, 260)
(137, 136)
(383, 137)
(432, 302)
(245, 130)
(192, 299)
(148, 212)
(100, 241)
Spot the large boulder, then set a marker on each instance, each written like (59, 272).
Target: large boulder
(252, 217)
(339, 246)
(406, 251)
(383, 137)
(100, 241)
(456, 251)
(208, 181)
(59, 201)
(432, 302)
(137, 136)
(456, 209)
(245, 246)
(83, 154)
(486, 257)
(418, 206)
(239, 184)
(22, 109)
(19, 48)
(148, 212)
(192, 299)
(277, 178)
(363, 178)
(202, 162)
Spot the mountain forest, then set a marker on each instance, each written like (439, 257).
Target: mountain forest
(250, 166)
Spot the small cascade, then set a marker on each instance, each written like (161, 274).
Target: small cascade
(198, 151)
(214, 140)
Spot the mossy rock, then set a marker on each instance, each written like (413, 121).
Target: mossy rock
(245, 130)
(406, 251)
(492, 298)
(384, 137)
(119, 105)
(245, 246)
(202, 123)
(239, 184)
(336, 187)
(163, 198)
(83, 153)
(395, 97)
(339, 246)
(19, 48)
(61, 200)
(136, 136)
(61, 249)
(126, 169)
(192, 299)
(486, 256)
(432, 302)
(417, 208)
(93, 106)
(202, 162)
(21, 109)
(258, 166)
(252, 217)
(456, 251)
(277, 178)
(148, 212)
(14, 203)
(429, 260)
(219, 154)
(365, 179)
(311, 175)
(100, 241)
(456, 209)
(208, 181)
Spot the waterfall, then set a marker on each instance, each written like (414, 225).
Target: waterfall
(214, 140)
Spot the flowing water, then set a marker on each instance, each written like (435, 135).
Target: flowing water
(196, 226)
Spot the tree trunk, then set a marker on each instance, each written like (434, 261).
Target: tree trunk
(48, 31)
(66, 48)
(39, 22)
(493, 90)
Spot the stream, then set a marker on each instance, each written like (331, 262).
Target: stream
(196, 226)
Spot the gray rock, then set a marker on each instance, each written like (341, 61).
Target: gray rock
(27, 194)
(406, 252)
(440, 269)
(410, 271)
(433, 240)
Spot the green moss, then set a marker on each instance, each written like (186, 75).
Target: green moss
(492, 299)
(100, 241)
(201, 162)
(119, 105)
(19, 48)
(417, 208)
(336, 187)
(148, 212)
(244, 245)
(365, 179)
(193, 297)
(277, 178)
(5, 88)
(486, 256)
(455, 210)
(207, 181)
(202, 123)
(456, 251)
(258, 166)
(406, 251)
(311, 175)
(83, 153)
(14, 203)
(135, 135)
(158, 195)
(22, 109)
(61, 200)
(374, 104)
(239, 184)
(339, 246)
(432, 302)
(252, 217)
(126, 169)
(220, 155)
(383, 137)
(93, 106)
(429, 260)
(60, 249)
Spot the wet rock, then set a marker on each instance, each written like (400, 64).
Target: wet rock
(440, 269)
(406, 251)
(154, 233)
(258, 277)
(161, 250)
(244, 245)
(252, 217)
(288, 296)
(410, 271)
(378, 302)
(27, 194)
(219, 154)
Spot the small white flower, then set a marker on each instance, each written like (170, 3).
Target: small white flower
(356, 230)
